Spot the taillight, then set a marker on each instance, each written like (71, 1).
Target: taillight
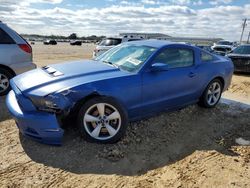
(25, 47)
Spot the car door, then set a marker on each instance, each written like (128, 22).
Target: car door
(171, 88)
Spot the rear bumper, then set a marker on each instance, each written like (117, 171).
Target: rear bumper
(19, 68)
(39, 126)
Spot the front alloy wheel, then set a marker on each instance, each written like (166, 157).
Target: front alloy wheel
(102, 120)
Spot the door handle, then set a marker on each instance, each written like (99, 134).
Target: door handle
(191, 74)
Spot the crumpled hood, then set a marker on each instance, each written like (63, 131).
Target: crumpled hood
(52, 78)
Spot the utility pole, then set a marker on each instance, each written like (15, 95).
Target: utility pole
(243, 28)
(248, 37)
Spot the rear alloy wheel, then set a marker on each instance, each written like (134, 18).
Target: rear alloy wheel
(102, 120)
(212, 94)
(5, 77)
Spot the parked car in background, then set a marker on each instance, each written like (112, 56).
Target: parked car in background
(223, 47)
(131, 81)
(224, 42)
(241, 58)
(205, 47)
(50, 42)
(110, 42)
(76, 43)
(222, 50)
(15, 57)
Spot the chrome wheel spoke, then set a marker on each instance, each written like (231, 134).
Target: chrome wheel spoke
(114, 115)
(214, 86)
(5, 80)
(210, 99)
(217, 90)
(101, 109)
(90, 118)
(2, 86)
(214, 99)
(111, 130)
(96, 132)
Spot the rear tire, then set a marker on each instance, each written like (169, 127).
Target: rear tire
(212, 94)
(5, 77)
(102, 120)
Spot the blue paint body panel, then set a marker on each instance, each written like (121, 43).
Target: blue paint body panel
(40, 126)
(141, 93)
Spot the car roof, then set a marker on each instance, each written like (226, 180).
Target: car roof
(153, 43)
(224, 41)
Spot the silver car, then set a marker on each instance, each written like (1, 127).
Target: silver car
(15, 57)
(108, 43)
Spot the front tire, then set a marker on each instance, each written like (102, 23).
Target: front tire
(211, 96)
(102, 120)
(5, 77)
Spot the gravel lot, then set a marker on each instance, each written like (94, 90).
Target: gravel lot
(193, 147)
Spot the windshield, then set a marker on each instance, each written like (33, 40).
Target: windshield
(242, 50)
(225, 43)
(127, 56)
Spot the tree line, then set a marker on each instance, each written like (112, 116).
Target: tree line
(72, 36)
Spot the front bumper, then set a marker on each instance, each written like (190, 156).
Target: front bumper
(40, 126)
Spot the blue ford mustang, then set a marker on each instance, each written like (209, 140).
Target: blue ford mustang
(129, 82)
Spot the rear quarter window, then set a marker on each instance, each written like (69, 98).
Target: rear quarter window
(206, 57)
(5, 38)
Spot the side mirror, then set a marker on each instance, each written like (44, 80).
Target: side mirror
(159, 67)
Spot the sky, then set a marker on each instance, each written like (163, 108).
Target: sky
(189, 18)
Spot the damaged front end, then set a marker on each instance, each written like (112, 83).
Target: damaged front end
(39, 117)
(53, 103)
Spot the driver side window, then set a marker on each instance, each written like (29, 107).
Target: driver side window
(176, 57)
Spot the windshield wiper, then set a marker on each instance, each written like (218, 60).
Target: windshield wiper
(110, 63)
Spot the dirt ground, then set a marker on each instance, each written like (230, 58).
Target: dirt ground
(192, 147)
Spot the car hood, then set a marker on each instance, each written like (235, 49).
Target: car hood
(52, 78)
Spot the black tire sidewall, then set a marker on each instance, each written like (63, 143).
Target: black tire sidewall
(204, 96)
(108, 100)
(9, 76)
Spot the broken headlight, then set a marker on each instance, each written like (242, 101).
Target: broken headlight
(46, 104)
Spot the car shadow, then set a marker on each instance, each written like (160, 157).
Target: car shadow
(4, 113)
(148, 144)
(246, 74)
